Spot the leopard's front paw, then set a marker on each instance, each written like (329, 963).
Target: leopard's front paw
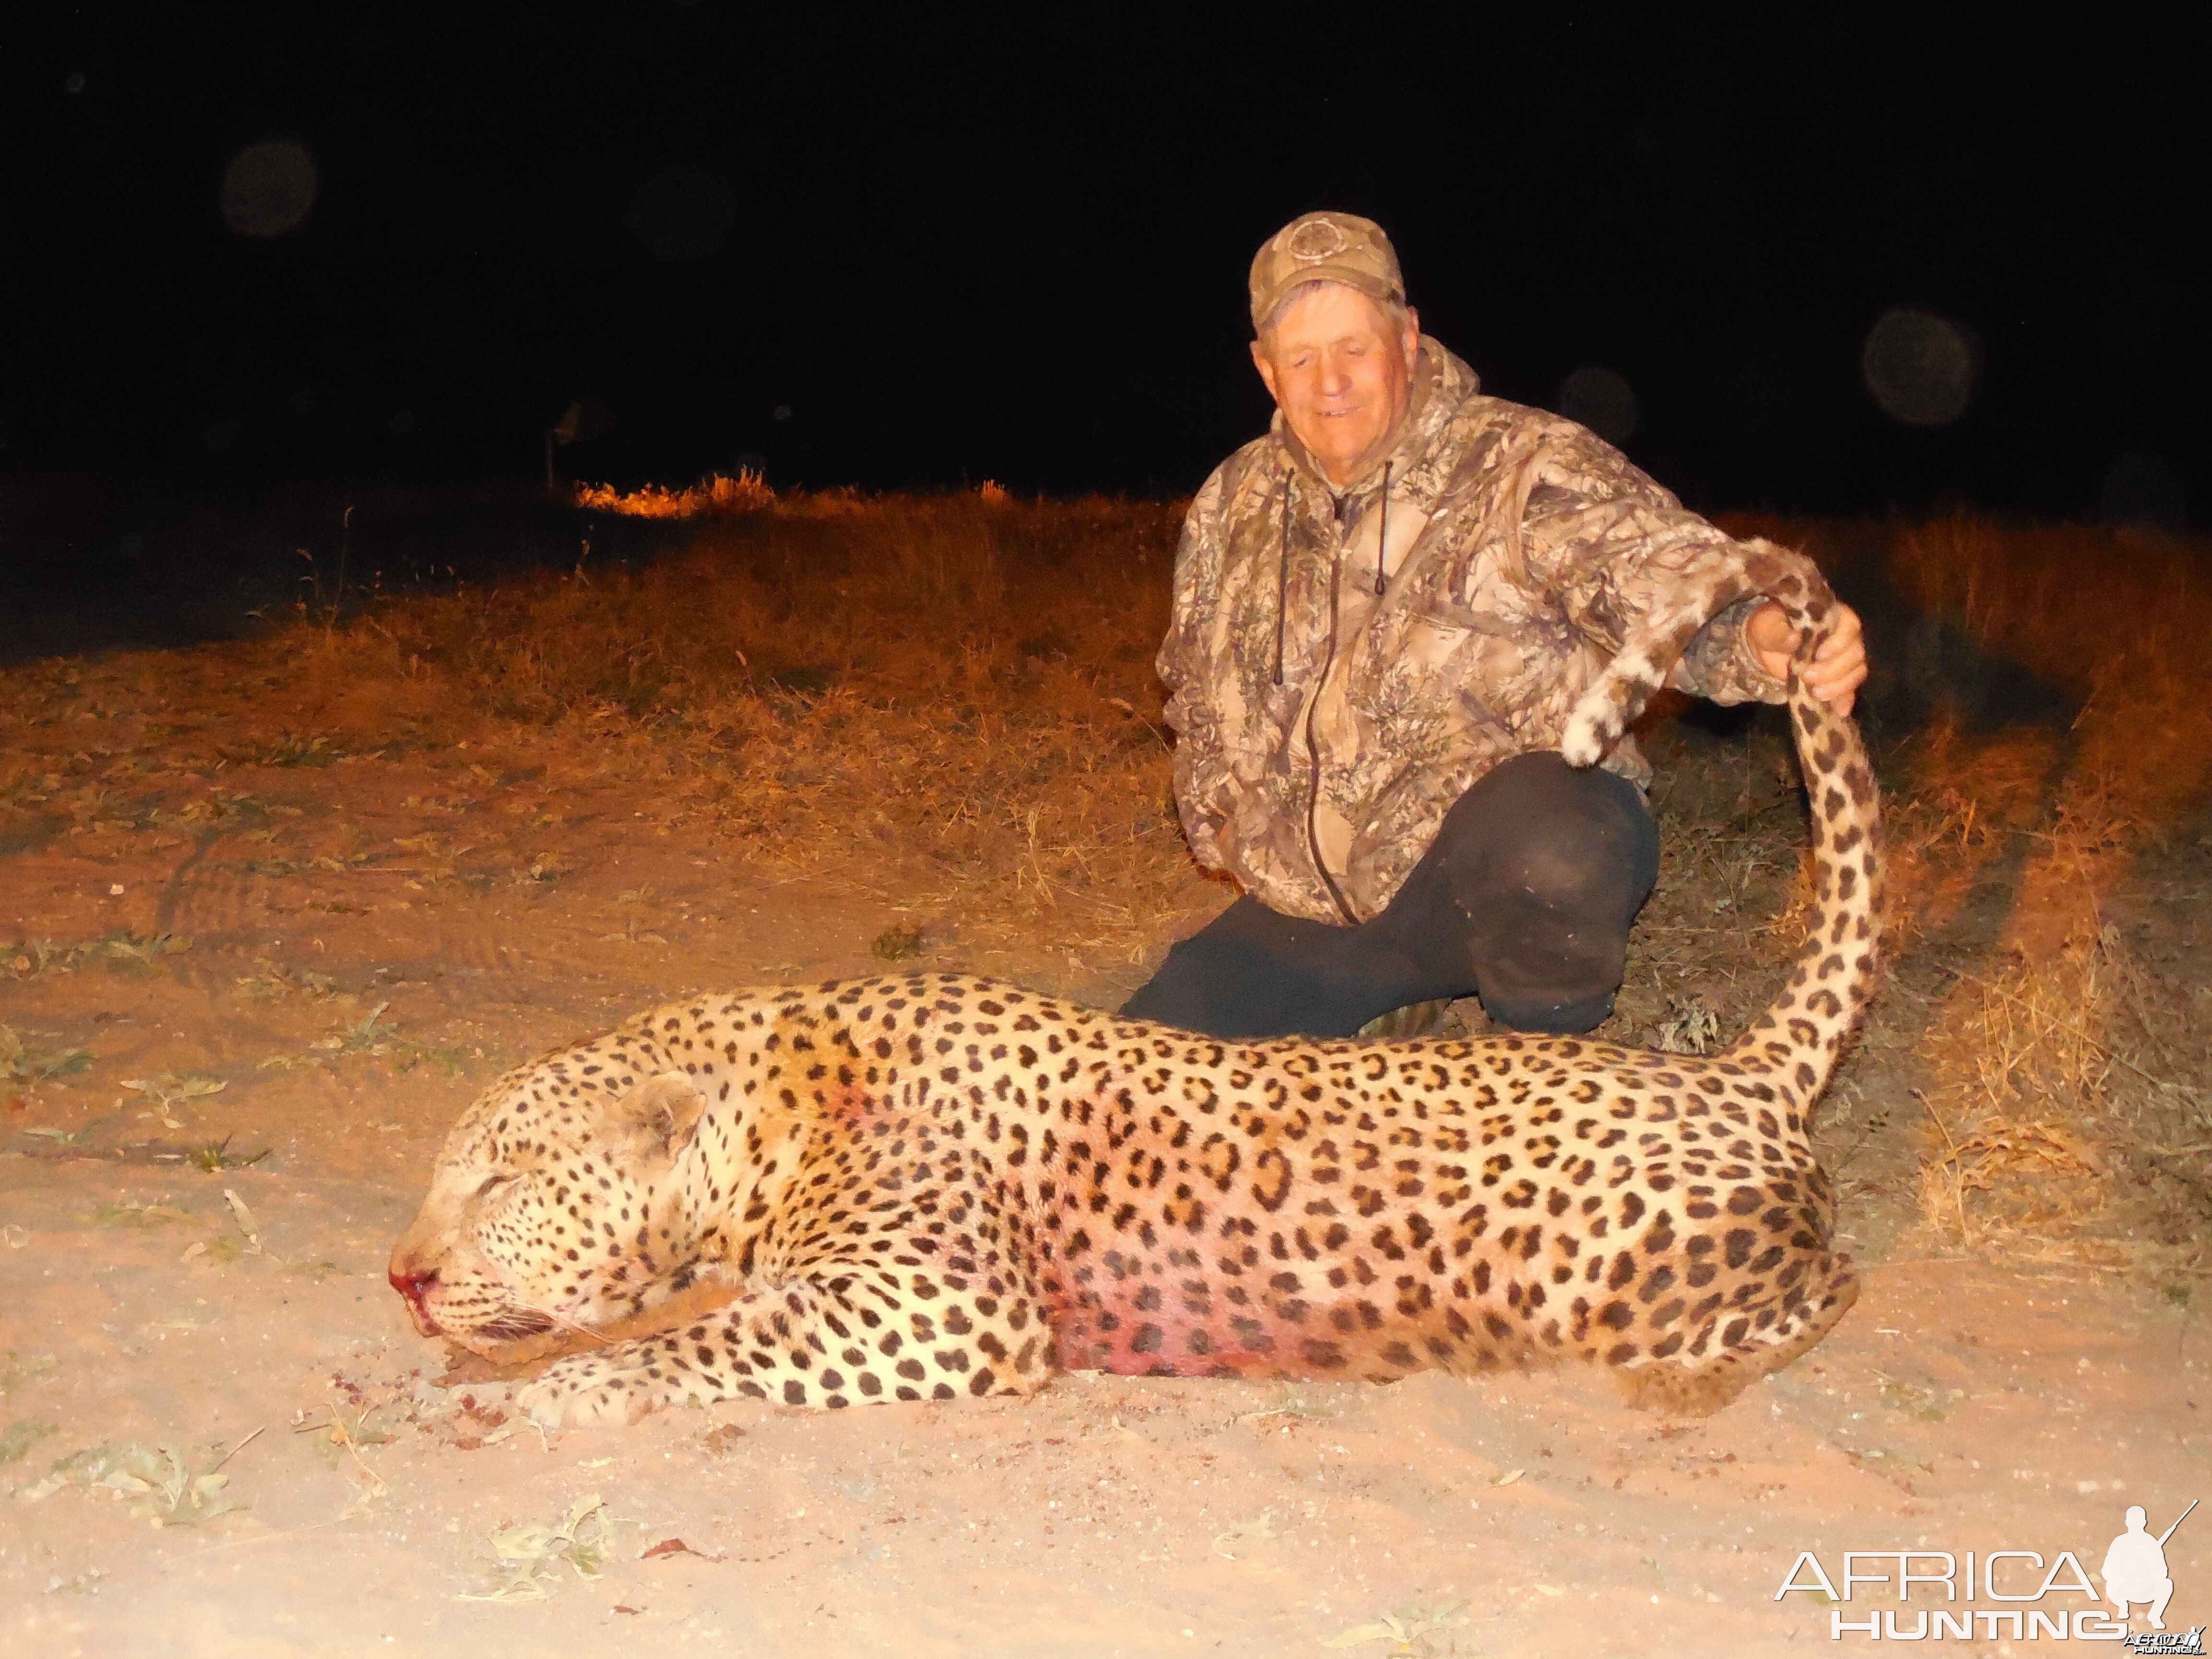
(584, 1390)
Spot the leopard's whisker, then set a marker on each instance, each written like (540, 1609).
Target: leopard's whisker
(565, 1323)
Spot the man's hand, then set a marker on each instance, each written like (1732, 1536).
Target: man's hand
(1837, 669)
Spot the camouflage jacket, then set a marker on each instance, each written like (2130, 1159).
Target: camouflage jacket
(1323, 729)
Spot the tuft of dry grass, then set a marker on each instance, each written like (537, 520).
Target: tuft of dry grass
(746, 492)
(2064, 1124)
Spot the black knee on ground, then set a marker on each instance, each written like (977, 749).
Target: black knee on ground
(1254, 973)
(1525, 899)
(1527, 895)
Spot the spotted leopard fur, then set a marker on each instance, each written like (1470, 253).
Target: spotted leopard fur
(933, 1186)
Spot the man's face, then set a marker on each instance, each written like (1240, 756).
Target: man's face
(1341, 374)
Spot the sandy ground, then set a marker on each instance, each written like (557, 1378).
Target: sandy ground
(351, 951)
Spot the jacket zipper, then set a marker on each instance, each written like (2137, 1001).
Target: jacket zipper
(1320, 681)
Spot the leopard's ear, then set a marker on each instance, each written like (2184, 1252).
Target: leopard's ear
(663, 1113)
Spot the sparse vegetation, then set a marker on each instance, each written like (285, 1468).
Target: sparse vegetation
(288, 748)
(21, 1062)
(943, 708)
(833, 735)
(897, 942)
(215, 1155)
(124, 953)
(531, 1553)
(746, 492)
(958, 686)
(18, 1436)
(156, 1482)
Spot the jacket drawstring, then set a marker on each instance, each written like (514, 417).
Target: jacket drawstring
(1382, 532)
(1283, 581)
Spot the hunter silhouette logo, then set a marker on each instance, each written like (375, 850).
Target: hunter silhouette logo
(2135, 1566)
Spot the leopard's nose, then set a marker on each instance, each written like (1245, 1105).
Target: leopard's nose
(411, 1284)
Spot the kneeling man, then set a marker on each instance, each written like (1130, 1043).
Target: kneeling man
(1384, 611)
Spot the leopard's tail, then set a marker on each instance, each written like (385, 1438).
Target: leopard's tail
(1617, 697)
(1799, 1035)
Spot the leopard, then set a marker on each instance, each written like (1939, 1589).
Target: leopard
(930, 1186)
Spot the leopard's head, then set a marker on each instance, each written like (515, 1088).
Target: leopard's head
(555, 1205)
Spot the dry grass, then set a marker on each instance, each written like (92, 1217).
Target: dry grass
(2066, 1126)
(2065, 1091)
(2118, 616)
(947, 705)
(746, 492)
(951, 698)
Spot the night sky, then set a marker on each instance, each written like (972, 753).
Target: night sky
(936, 251)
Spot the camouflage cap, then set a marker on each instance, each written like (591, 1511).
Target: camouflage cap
(1325, 247)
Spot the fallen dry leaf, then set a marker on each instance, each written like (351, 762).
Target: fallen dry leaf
(674, 1547)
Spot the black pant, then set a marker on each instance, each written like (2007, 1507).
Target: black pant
(1524, 899)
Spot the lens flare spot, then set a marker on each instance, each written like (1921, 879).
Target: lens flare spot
(268, 188)
(682, 213)
(1919, 367)
(1602, 400)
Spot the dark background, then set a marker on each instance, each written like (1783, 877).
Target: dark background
(1013, 245)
